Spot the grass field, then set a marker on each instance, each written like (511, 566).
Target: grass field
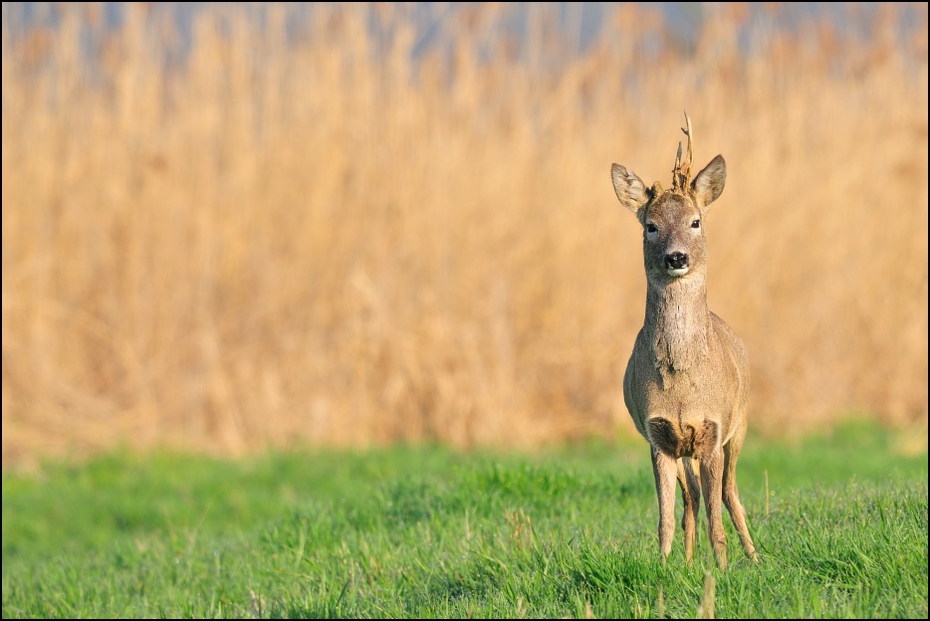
(372, 252)
(428, 532)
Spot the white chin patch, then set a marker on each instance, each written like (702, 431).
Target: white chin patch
(681, 271)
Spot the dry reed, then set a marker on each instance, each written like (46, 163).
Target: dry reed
(311, 235)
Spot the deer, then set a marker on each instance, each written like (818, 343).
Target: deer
(686, 384)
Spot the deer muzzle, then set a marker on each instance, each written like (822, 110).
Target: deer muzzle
(676, 263)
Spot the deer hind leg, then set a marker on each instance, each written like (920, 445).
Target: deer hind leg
(691, 498)
(731, 493)
(663, 467)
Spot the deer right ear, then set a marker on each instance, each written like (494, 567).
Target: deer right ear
(629, 188)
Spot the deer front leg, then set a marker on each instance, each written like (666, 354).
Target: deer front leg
(712, 484)
(664, 468)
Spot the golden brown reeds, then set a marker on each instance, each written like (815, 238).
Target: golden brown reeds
(312, 238)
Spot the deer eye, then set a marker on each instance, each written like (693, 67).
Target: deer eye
(696, 224)
(651, 228)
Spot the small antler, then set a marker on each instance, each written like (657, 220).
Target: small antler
(682, 174)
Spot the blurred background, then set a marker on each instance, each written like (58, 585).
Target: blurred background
(232, 227)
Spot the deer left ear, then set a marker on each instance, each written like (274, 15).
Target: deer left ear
(708, 185)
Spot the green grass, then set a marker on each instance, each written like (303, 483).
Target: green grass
(427, 532)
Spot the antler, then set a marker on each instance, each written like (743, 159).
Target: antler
(682, 174)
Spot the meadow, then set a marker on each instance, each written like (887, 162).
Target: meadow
(322, 310)
(840, 521)
(356, 225)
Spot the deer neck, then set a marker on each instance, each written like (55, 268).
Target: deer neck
(677, 323)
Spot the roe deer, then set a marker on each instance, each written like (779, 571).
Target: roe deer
(687, 381)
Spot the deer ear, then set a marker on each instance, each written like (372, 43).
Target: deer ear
(629, 188)
(708, 185)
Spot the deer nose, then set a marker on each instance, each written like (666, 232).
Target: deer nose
(676, 261)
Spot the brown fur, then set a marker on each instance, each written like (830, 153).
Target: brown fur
(687, 382)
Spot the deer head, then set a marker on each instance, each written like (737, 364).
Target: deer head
(672, 220)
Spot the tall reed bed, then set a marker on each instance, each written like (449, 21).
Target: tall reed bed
(308, 226)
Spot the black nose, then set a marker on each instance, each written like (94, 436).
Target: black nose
(676, 260)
